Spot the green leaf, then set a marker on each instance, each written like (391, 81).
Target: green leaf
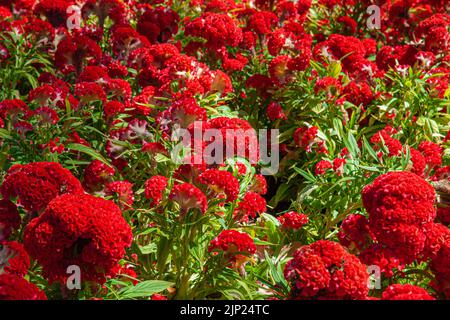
(87, 150)
(145, 289)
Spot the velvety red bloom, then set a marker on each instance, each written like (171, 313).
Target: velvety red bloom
(89, 91)
(157, 296)
(251, 205)
(383, 258)
(42, 95)
(154, 189)
(125, 39)
(9, 218)
(306, 138)
(393, 145)
(113, 108)
(405, 292)
(233, 242)
(239, 137)
(418, 162)
(13, 258)
(75, 52)
(13, 287)
(123, 190)
(443, 215)
(274, 112)
(183, 112)
(78, 230)
(189, 197)
(436, 236)
(13, 108)
(36, 184)
(114, 9)
(158, 24)
(259, 185)
(54, 10)
(440, 265)
(217, 29)
(329, 85)
(325, 270)
(221, 183)
(322, 166)
(354, 232)
(338, 165)
(399, 205)
(96, 175)
(293, 220)
(399, 197)
(358, 93)
(432, 153)
(262, 22)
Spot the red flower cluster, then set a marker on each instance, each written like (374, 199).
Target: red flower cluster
(154, 188)
(78, 230)
(9, 218)
(13, 287)
(13, 258)
(293, 220)
(36, 184)
(405, 292)
(233, 242)
(325, 270)
(189, 197)
(221, 183)
(250, 206)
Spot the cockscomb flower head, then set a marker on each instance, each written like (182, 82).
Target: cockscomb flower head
(78, 230)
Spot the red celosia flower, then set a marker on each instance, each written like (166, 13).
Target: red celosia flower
(42, 95)
(262, 22)
(124, 192)
(154, 188)
(78, 230)
(354, 232)
(13, 108)
(251, 205)
(405, 292)
(418, 162)
(293, 220)
(113, 108)
(189, 197)
(383, 258)
(306, 138)
(259, 185)
(217, 29)
(54, 10)
(9, 218)
(36, 184)
(96, 175)
(89, 91)
(75, 52)
(221, 183)
(358, 93)
(13, 287)
(399, 205)
(114, 9)
(324, 270)
(338, 165)
(322, 166)
(13, 258)
(436, 236)
(233, 242)
(158, 24)
(239, 138)
(440, 265)
(393, 145)
(432, 153)
(157, 296)
(125, 39)
(274, 112)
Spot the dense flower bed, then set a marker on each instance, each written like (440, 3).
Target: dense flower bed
(111, 113)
